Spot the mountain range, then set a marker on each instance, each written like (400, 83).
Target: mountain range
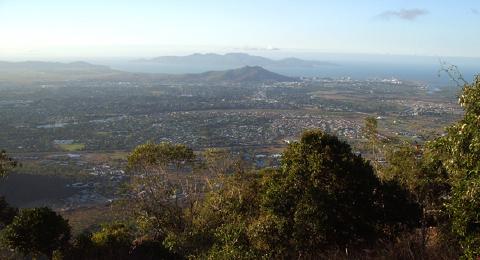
(56, 71)
(246, 74)
(234, 60)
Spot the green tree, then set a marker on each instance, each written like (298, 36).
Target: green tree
(323, 197)
(371, 132)
(163, 192)
(221, 227)
(324, 193)
(7, 213)
(112, 241)
(427, 180)
(459, 151)
(113, 236)
(220, 162)
(157, 186)
(116, 241)
(6, 163)
(422, 175)
(37, 231)
(161, 154)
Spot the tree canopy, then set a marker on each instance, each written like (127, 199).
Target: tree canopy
(6, 163)
(37, 231)
(459, 152)
(321, 198)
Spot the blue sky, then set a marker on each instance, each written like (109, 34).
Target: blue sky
(147, 27)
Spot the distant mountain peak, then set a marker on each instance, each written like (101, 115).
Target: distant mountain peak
(233, 60)
(246, 74)
(253, 67)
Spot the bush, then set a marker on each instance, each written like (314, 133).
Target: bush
(459, 151)
(323, 198)
(37, 231)
(7, 213)
(329, 197)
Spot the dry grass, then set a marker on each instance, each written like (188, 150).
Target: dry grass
(89, 217)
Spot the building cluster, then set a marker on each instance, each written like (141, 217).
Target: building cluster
(247, 128)
(424, 108)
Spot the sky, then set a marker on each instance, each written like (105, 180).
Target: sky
(142, 28)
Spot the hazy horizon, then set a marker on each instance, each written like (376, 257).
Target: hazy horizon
(358, 66)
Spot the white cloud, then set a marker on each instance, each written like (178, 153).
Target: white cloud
(404, 14)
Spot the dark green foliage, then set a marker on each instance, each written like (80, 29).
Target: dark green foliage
(116, 235)
(221, 225)
(37, 231)
(116, 241)
(371, 133)
(399, 210)
(151, 249)
(371, 125)
(160, 154)
(6, 163)
(7, 213)
(112, 241)
(81, 246)
(330, 197)
(459, 152)
(423, 176)
(156, 187)
(322, 198)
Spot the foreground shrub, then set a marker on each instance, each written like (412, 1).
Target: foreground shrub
(37, 231)
(459, 152)
(323, 198)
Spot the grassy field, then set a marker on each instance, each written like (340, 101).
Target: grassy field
(72, 147)
(90, 217)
